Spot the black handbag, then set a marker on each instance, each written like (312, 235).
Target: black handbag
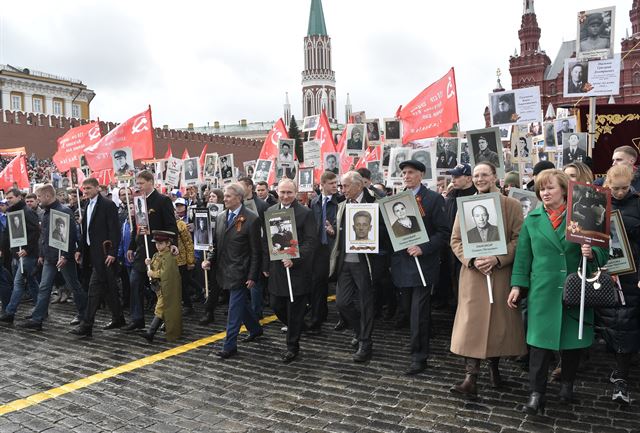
(600, 290)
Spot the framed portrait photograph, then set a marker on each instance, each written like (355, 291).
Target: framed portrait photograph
(191, 171)
(505, 133)
(227, 173)
(286, 147)
(174, 170)
(202, 234)
(592, 78)
(425, 156)
(485, 145)
(59, 226)
(549, 129)
(362, 233)
(563, 126)
(263, 168)
(312, 154)
(402, 217)
(464, 156)
(122, 160)
(359, 117)
(249, 168)
(355, 139)
(210, 165)
(377, 174)
(373, 132)
(159, 168)
(392, 130)
(330, 162)
(588, 214)
(528, 200)
(481, 225)
(515, 106)
(521, 147)
(288, 171)
(140, 209)
(397, 156)
(446, 153)
(16, 222)
(310, 123)
(305, 179)
(595, 33)
(282, 238)
(574, 147)
(621, 260)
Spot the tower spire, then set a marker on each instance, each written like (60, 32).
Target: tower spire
(528, 7)
(287, 110)
(316, 19)
(347, 109)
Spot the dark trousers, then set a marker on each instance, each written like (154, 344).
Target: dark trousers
(539, 360)
(292, 315)
(385, 293)
(187, 284)
(240, 313)
(102, 285)
(420, 320)
(320, 281)
(355, 300)
(136, 300)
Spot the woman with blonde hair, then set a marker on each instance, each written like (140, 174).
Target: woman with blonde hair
(620, 326)
(543, 260)
(579, 172)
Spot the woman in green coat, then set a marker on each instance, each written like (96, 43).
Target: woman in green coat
(543, 260)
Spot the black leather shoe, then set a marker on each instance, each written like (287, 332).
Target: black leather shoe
(82, 331)
(566, 392)
(114, 324)
(206, 319)
(416, 367)
(535, 404)
(252, 337)
(363, 354)
(30, 324)
(340, 326)
(7, 318)
(288, 356)
(75, 321)
(136, 324)
(224, 354)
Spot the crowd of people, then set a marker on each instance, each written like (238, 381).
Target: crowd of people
(111, 261)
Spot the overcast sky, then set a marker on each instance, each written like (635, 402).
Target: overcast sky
(197, 61)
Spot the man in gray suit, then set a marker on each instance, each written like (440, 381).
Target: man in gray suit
(237, 259)
(483, 231)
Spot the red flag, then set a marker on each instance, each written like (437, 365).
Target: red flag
(270, 146)
(373, 153)
(324, 136)
(345, 160)
(169, 154)
(433, 112)
(136, 133)
(80, 176)
(15, 172)
(203, 154)
(73, 143)
(185, 154)
(104, 176)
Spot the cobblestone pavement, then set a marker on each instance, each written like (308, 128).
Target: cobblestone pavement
(322, 391)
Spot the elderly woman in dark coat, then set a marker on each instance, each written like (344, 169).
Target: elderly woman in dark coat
(620, 326)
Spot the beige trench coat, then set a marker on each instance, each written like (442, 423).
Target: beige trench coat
(482, 330)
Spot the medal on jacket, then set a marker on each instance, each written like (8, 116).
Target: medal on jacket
(419, 201)
(241, 219)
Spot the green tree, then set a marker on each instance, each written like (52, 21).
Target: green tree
(294, 132)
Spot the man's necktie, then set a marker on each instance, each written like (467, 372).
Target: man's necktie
(323, 231)
(230, 217)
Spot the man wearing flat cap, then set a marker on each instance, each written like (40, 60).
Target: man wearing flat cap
(505, 109)
(485, 154)
(120, 161)
(404, 269)
(593, 39)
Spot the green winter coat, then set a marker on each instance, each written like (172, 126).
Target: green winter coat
(543, 260)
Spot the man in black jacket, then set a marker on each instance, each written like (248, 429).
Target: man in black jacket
(54, 261)
(99, 242)
(262, 191)
(161, 216)
(28, 254)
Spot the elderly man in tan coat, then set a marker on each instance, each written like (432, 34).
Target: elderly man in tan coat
(482, 330)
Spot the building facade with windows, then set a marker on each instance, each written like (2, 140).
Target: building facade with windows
(37, 92)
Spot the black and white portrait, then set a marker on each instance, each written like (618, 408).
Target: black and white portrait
(305, 179)
(563, 126)
(424, 156)
(595, 33)
(355, 138)
(481, 225)
(620, 254)
(404, 224)
(391, 129)
(280, 231)
(310, 123)
(285, 151)
(362, 223)
(398, 155)
(377, 175)
(122, 162)
(528, 200)
(330, 162)
(576, 78)
(463, 153)
(17, 232)
(486, 147)
(249, 168)
(281, 234)
(574, 147)
(140, 209)
(359, 117)
(549, 135)
(521, 148)
(191, 170)
(263, 167)
(373, 131)
(210, 165)
(483, 230)
(446, 152)
(403, 221)
(288, 171)
(504, 108)
(59, 226)
(201, 229)
(589, 209)
(226, 167)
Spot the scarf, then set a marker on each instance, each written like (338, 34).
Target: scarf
(556, 215)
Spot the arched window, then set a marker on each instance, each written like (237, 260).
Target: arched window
(636, 79)
(552, 89)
